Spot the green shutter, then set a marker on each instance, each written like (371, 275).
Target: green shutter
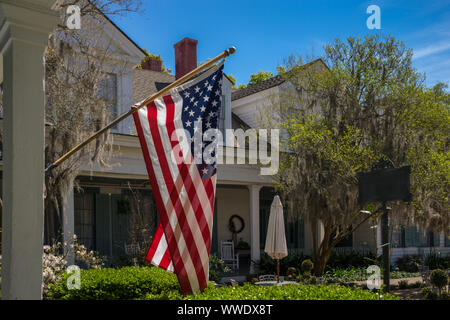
(119, 227)
(102, 223)
(436, 239)
(410, 236)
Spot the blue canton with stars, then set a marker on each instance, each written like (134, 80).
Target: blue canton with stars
(201, 111)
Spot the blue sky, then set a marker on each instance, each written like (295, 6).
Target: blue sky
(266, 32)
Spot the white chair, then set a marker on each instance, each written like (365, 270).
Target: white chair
(227, 254)
(132, 249)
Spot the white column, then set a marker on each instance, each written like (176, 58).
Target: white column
(69, 222)
(254, 225)
(24, 29)
(320, 233)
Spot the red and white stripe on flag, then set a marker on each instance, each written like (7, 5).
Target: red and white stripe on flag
(184, 195)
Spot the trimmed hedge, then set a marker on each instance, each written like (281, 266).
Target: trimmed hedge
(151, 283)
(124, 283)
(290, 292)
(360, 274)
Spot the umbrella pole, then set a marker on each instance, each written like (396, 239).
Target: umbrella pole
(278, 271)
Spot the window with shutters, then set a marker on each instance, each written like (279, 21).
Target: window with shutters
(84, 216)
(414, 236)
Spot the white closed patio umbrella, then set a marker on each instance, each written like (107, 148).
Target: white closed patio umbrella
(276, 246)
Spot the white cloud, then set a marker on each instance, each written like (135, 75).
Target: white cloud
(432, 49)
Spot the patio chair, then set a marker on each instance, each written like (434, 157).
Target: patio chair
(267, 277)
(132, 249)
(227, 254)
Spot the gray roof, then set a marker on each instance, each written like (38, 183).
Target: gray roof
(264, 85)
(148, 82)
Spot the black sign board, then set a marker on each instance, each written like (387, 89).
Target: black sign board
(384, 185)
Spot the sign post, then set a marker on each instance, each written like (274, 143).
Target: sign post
(386, 246)
(384, 183)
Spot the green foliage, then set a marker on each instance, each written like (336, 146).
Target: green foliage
(149, 56)
(306, 278)
(242, 245)
(112, 284)
(281, 70)
(409, 263)
(259, 77)
(344, 260)
(436, 260)
(416, 284)
(403, 284)
(445, 296)
(217, 268)
(255, 78)
(439, 278)
(233, 79)
(360, 274)
(151, 283)
(337, 260)
(267, 265)
(369, 103)
(290, 292)
(307, 266)
(429, 294)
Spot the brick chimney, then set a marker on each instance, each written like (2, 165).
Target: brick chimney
(152, 64)
(185, 56)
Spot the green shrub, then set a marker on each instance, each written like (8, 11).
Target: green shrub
(360, 274)
(267, 265)
(217, 267)
(445, 296)
(439, 278)
(337, 260)
(416, 284)
(290, 292)
(242, 245)
(342, 260)
(307, 266)
(409, 263)
(124, 283)
(435, 260)
(429, 294)
(403, 284)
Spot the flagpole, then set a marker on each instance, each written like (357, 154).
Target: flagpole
(151, 98)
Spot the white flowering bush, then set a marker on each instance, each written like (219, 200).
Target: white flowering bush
(54, 260)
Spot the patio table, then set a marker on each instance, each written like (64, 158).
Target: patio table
(274, 283)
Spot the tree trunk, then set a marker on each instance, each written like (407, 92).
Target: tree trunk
(321, 262)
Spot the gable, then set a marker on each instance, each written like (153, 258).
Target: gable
(108, 36)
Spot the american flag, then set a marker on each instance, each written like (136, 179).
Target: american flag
(172, 128)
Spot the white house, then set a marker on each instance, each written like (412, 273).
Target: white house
(99, 213)
(253, 100)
